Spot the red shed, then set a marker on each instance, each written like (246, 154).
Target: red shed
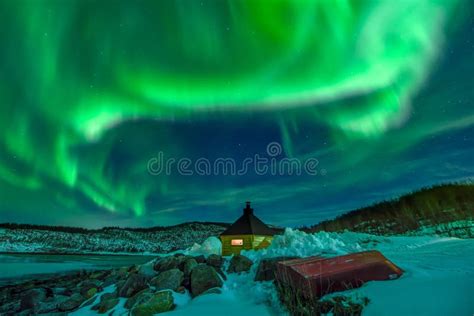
(314, 277)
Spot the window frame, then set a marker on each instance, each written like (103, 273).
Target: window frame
(237, 242)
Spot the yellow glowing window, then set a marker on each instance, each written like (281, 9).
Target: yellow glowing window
(237, 242)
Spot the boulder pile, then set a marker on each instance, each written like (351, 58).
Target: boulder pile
(146, 289)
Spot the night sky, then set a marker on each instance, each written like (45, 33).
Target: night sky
(379, 92)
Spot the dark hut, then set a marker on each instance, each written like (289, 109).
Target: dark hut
(248, 232)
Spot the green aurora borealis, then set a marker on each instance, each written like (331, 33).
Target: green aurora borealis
(379, 91)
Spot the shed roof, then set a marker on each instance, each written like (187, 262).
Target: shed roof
(249, 224)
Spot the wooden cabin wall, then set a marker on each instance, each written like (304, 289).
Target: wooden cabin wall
(228, 249)
(261, 242)
(249, 242)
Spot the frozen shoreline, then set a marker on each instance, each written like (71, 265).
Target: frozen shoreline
(15, 268)
(102, 253)
(438, 278)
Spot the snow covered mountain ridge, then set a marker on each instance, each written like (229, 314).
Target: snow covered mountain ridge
(30, 238)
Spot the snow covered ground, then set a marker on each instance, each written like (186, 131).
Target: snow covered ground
(463, 229)
(438, 279)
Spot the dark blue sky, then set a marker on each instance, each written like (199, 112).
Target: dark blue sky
(381, 103)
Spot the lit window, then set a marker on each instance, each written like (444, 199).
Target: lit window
(237, 242)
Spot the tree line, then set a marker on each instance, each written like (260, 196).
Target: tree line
(433, 205)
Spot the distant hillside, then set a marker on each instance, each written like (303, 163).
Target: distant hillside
(59, 239)
(446, 210)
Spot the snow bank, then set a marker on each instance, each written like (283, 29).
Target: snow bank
(212, 245)
(298, 243)
(228, 303)
(86, 310)
(463, 229)
(438, 279)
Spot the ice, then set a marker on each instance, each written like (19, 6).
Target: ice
(212, 245)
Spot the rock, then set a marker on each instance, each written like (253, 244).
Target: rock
(182, 261)
(109, 281)
(134, 284)
(50, 305)
(89, 292)
(59, 290)
(23, 287)
(120, 273)
(200, 259)
(71, 303)
(141, 296)
(31, 299)
(26, 312)
(101, 275)
(166, 263)
(5, 296)
(119, 285)
(203, 278)
(267, 267)
(89, 288)
(66, 292)
(107, 296)
(106, 305)
(104, 297)
(239, 263)
(181, 289)
(90, 284)
(156, 303)
(189, 265)
(169, 279)
(95, 307)
(215, 260)
(187, 282)
(10, 308)
(147, 270)
(49, 292)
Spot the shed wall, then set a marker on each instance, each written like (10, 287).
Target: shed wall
(249, 242)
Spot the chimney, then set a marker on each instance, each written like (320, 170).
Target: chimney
(248, 210)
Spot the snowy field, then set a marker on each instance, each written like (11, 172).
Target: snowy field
(438, 279)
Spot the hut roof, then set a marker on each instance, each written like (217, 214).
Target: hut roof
(249, 224)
